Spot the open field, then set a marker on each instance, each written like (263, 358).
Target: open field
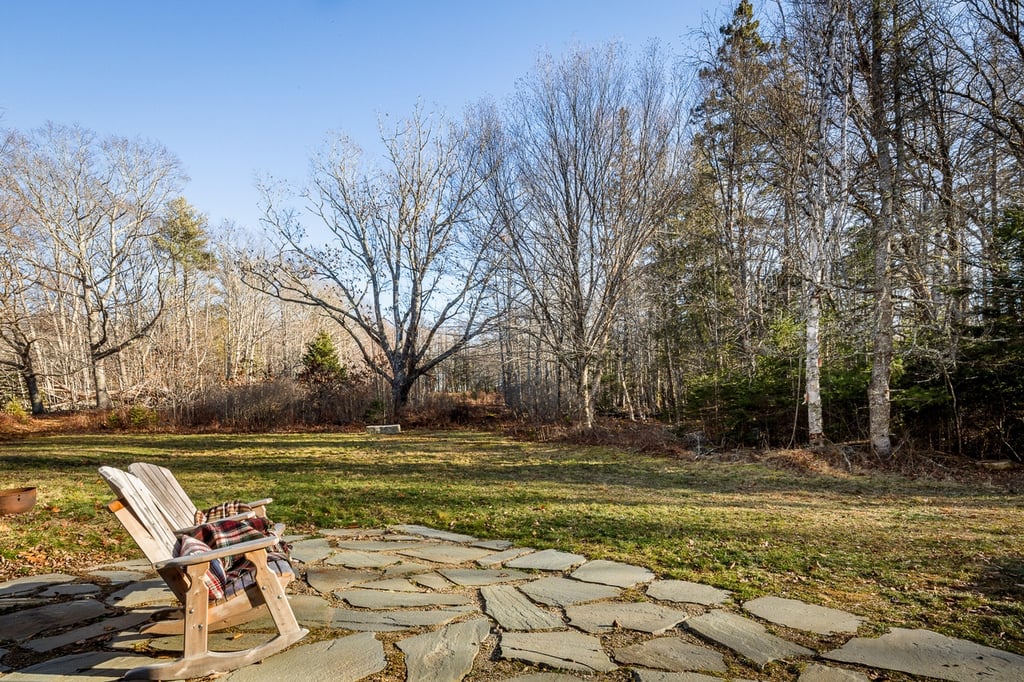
(941, 555)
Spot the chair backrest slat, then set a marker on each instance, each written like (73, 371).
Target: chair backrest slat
(175, 503)
(158, 540)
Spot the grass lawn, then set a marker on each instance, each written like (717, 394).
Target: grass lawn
(940, 555)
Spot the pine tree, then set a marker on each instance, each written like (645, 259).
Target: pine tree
(320, 361)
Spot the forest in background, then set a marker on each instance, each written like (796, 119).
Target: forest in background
(809, 231)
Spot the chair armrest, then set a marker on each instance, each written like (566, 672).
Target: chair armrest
(236, 517)
(261, 503)
(207, 557)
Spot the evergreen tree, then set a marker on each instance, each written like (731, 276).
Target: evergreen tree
(320, 361)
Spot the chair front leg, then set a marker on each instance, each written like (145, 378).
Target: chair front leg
(197, 605)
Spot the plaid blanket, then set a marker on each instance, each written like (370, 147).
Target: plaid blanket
(221, 511)
(226, 533)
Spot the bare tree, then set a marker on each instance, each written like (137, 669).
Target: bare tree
(94, 207)
(594, 144)
(408, 252)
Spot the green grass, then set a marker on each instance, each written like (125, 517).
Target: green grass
(944, 556)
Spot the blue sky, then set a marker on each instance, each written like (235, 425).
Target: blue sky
(240, 88)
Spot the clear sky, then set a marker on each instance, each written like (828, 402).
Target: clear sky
(240, 88)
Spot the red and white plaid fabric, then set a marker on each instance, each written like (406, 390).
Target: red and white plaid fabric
(221, 511)
(222, 575)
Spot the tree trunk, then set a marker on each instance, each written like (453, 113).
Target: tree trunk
(28, 373)
(879, 405)
(99, 379)
(815, 424)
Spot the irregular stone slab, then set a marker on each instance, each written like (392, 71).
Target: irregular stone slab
(513, 611)
(565, 650)
(405, 568)
(475, 577)
(612, 573)
(815, 672)
(352, 532)
(384, 429)
(32, 583)
(431, 581)
(372, 599)
(143, 592)
(496, 545)
(96, 666)
(104, 627)
(547, 560)
(802, 616)
(391, 585)
(544, 677)
(310, 611)
(71, 590)
(377, 545)
(434, 533)
(119, 577)
(446, 554)
(923, 652)
(744, 636)
(501, 557)
(326, 580)
(640, 616)
(672, 654)
(641, 675)
(22, 625)
(217, 641)
(446, 654)
(337, 660)
(393, 621)
(308, 551)
(685, 592)
(354, 559)
(564, 592)
(21, 602)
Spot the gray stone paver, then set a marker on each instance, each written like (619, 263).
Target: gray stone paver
(377, 545)
(448, 627)
(922, 652)
(373, 599)
(565, 592)
(513, 611)
(153, 591)
(22, 625)
(432, 581)
(612, 573)
(351, 558)
(71, 590)
(346, 659)
(501, 557)
(816, 672)
(640, 616)
(563, 650)
(328, 579)
(103, 627)
(435, 534)
(446, 553)
(308, 551)
(746, 637)
(95, 666)
(446, 654)
(803, 616)
(393, 621)
(672, 654)
(547, 560)
(475, 577)
(32, 583)
(118, 577)
(686, 592)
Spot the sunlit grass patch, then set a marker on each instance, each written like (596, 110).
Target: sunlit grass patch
(908, 553)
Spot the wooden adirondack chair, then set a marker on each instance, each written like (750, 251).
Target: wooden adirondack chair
(175, 504)
(140, 513)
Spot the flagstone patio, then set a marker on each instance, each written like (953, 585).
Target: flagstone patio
(415, 603)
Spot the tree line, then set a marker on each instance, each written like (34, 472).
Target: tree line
(811, 229)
